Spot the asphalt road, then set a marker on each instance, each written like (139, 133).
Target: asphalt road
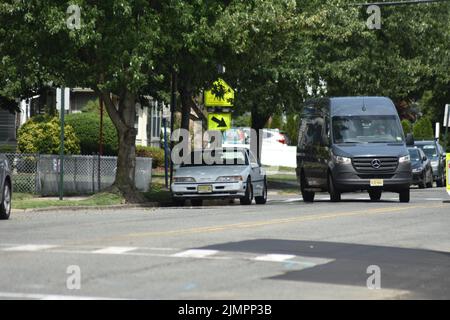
(285, 249)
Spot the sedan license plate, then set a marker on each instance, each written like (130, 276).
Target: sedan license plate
(376, 182)
(204, 189)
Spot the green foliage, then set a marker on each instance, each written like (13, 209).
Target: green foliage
(244, 120)
(276, 122)
(43, 136)
(157, 154)
(291, 128)
(423, 129)
(407, 127)
(87, 128)
(92, 106)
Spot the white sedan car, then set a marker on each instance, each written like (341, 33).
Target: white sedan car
(219, 174)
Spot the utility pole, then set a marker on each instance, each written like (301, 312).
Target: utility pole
(173, 102)
(61, 150)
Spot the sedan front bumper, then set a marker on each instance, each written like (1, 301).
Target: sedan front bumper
(219, 190)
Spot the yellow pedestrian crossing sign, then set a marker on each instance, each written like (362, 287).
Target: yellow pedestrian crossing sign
(211, 100)
(219, 121)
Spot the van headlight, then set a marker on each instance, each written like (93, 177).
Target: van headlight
(183, 179)
(404, 159)
(229, 179)
(342, 160)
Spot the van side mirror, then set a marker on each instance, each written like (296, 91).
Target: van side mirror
(409, 139)
(424, 158)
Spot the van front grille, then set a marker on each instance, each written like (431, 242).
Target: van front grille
(375, 164)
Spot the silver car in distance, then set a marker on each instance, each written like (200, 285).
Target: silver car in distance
(221, 173)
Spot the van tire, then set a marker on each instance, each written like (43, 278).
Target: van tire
(440, 182)
(179, 202)
(308, 196)
(404, 195)
(375, 195)
(335, 195)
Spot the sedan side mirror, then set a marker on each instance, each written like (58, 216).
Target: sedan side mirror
(409, 139)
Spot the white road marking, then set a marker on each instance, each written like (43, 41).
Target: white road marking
(195, 253)
(33, 296)
(31, 247)
(274, 257)
(115, 250)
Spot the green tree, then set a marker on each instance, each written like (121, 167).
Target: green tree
(423, 129)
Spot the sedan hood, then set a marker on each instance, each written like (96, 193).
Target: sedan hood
(210, 173)
(370, 150)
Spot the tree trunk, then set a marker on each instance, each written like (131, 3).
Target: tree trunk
(258, 122)
(186, 100)
(123, 119)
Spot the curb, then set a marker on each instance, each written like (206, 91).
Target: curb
(81, 208)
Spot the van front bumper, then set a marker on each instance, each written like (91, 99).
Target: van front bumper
(346, 178)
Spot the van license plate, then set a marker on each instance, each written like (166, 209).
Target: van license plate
(376, 182)
(204, 189)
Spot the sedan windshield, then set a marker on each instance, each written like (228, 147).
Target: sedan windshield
(429, 150)
(216, 157)
(414, 154)
(367, 129)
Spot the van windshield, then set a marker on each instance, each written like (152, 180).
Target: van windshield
(367, 129)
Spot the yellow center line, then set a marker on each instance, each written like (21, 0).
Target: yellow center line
(255, 224)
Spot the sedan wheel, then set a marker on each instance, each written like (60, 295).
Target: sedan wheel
(5, 205)
(248, 198)
(262, 199)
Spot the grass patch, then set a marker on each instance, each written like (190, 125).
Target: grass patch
(26, 201)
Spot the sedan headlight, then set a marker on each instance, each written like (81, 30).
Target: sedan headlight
(342, 160)
(404, 159)
(434, 163)
(183, 179)
(229, 179)
(417, 170)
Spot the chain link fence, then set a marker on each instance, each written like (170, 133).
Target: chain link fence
(40, 174)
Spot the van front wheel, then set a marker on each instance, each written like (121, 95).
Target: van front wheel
(404, 195)
(308, 196)
(335, 195)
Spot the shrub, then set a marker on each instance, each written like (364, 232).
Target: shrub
(423, 129)
(291, 128)
(87, 128)
(42, 135)
(157, 154)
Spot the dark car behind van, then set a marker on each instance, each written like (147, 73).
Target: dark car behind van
(5, 188)
(352, 143)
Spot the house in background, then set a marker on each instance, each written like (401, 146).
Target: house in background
(8, 128)
(148, 121)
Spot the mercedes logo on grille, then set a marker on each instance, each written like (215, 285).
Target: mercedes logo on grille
(376, 164)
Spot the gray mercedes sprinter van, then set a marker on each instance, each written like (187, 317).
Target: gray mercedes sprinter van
(352, 143)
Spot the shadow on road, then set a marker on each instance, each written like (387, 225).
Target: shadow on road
(425, 273)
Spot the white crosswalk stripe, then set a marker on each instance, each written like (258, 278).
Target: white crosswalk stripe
(115, 250)
(31, 247)
(195, 253)
(275, 257)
